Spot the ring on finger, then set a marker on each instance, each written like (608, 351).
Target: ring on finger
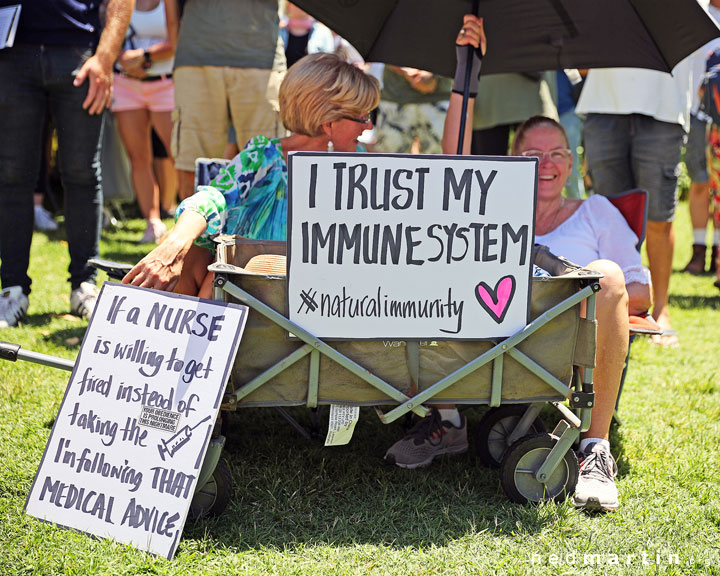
(462, 32)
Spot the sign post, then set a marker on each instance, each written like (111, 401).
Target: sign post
(410, 247)
(124, 454)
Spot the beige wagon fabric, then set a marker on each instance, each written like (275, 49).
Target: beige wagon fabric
(556, 346)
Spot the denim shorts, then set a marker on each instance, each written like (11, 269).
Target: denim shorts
(626, 151)
(696, 151)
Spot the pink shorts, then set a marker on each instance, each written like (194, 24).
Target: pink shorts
(131, 94)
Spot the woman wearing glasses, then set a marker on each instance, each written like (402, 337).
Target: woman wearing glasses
(583, 231)
(591, 233)
(325, 104)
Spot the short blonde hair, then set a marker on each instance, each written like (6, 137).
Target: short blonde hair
(322, 88)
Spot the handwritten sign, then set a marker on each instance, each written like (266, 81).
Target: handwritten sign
(128, 443)
(410, 247)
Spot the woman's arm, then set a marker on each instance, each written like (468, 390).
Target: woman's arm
(616, 242)
(471, 34)
(639, 298)
(133, 61)
(161, 268)
(451, 129)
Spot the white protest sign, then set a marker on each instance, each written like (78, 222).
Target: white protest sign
(128, 443)
(410, 247)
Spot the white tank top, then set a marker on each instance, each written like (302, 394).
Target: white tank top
(148, 28)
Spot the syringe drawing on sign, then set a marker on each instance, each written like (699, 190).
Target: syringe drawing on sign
(178, 440)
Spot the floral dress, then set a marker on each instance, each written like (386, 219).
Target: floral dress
(714, 141)
(248, 197)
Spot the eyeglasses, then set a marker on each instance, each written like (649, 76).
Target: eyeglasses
(558, 156)
(366, 120)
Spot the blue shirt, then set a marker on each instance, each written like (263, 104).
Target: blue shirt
(565, 101)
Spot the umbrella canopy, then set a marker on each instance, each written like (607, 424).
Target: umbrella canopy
(523, 35)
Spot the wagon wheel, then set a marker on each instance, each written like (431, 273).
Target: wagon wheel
(214, 496)
(524, 458)
(491, 436)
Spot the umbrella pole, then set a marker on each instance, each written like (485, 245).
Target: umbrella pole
(466, 91)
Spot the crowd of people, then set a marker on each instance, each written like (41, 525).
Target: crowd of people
(183, 84)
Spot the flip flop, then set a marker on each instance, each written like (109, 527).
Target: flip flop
(644, 324)
(668, 339)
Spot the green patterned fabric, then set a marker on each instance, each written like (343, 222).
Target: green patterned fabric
(248, 197)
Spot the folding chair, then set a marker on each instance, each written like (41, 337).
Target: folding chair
(633, 205)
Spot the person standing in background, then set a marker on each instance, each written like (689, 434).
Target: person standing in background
(63, 62)
(302, 35)
(412, 111)
(144, 98)
(569, 84)
(502, 103)
(635, 127)
(696, 162)
(229, 65)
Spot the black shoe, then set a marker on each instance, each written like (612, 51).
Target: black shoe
(696, 266)
(713, 259)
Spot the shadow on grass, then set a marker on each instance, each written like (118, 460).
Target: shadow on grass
(618, 449)
(291, 492)
(127, 255)
(69, 338)
(688, 302)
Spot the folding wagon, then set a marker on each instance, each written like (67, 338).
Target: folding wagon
(279, 364)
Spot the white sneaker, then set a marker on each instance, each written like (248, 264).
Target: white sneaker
(153, 232)
(83, 299)
(13, 305)
(596, 488)
(44, 220)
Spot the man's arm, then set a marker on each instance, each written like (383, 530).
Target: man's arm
(98, 68)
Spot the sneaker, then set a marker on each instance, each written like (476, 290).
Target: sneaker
(596, 488)
(13, 305)
(153, 232)
(44, 220)
(83, 299)
(428, 439)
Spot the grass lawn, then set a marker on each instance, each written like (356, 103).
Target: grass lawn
(299, 508)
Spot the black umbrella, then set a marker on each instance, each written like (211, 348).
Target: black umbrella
(523, 35)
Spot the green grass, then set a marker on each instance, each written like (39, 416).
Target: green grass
(299, 508)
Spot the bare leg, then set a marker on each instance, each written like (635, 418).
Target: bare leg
(134, 128)
(186, 182)
(231, 150)
(164, 167)
(660, 248)
(167, 182)
(612, 345)
(699, 200)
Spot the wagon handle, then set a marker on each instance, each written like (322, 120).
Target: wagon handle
(13, 353)
(9, 351)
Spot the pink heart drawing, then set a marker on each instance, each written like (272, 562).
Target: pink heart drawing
(496, 301)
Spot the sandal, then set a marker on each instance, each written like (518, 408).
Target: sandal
(668, 339)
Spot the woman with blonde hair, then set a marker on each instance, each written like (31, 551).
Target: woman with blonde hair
(325, 103)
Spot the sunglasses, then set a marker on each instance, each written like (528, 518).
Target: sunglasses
(365, 120)
(558, 156)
